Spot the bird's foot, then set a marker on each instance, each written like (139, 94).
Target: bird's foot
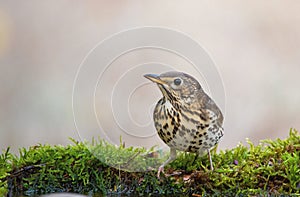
(160, 170)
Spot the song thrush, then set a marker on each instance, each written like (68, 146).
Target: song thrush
(186, 118)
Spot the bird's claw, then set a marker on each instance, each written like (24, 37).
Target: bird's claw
(160, 169)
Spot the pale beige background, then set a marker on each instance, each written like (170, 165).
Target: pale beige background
(254, 44)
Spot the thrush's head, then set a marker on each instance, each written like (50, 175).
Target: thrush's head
(176, 85)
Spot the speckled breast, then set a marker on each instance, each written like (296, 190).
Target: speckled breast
(185, 130)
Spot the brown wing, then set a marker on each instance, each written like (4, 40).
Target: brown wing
(206, 103)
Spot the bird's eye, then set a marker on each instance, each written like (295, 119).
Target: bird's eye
(177, 81)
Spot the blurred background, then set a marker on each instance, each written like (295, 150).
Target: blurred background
(254, 44)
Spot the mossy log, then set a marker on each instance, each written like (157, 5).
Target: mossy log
(270, 168)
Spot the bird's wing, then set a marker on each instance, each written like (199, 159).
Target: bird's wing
(209, 108)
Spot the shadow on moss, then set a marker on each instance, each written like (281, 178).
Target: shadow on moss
(272, 167)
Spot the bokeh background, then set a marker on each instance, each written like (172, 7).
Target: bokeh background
(254, 44)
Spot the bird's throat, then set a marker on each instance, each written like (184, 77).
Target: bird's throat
(169, 96)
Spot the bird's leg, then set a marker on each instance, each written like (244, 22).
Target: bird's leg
(210, 160)
(171, 158)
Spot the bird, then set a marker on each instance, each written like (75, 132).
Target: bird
(186, 118)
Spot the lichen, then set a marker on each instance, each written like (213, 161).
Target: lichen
(270, 168)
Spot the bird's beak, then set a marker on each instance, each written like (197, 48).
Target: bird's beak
(154, 78)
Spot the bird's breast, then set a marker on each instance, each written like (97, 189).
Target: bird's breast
(184, 129)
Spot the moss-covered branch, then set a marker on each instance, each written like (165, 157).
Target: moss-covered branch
(272, 167)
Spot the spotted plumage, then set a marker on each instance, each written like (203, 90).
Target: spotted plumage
(186, 118)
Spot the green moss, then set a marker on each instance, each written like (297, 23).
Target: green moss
(272, 167)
